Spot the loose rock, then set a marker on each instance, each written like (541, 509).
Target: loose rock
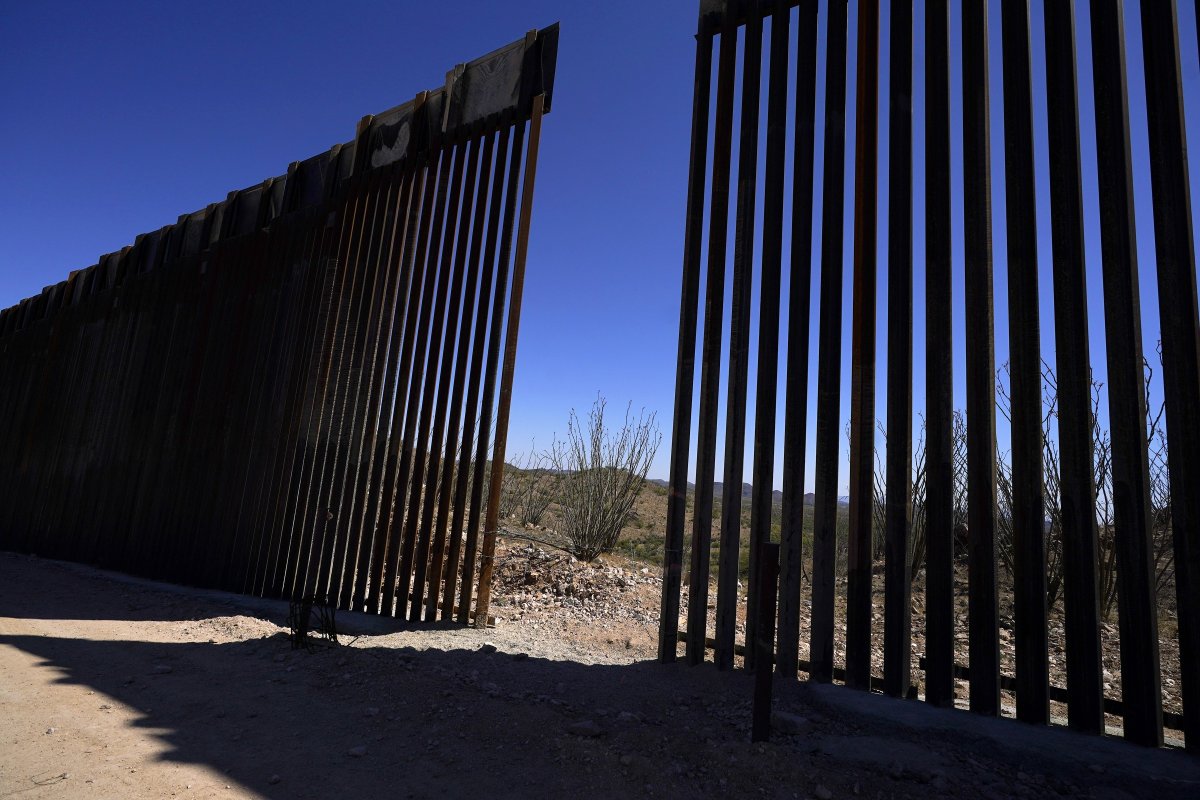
(788, 724)
(586, 728)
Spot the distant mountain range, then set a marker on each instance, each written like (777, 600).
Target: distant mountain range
(748, 491)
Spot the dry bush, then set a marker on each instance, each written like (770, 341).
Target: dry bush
(917, 539)
(1160, 493)
(600, 472)
(527, 488)
(1102, 477)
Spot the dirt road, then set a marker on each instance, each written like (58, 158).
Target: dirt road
(116, 688)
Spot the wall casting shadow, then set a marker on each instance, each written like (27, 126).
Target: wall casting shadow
(433, 722)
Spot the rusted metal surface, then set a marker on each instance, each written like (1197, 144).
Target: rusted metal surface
(1179, 316)
(739, 349)
(685, 369)
(710, 370)
(1025, 369)
(983, 616)
(939, 364)
(897, 610)
(267, 396)
(862, 352)
(791, 558)
(767, 391)
(959, 506)
(491, 370)
(1126, 393)
(1080, 546)
(829, 358)
(503, 407)
(449, 464)
(425, 456)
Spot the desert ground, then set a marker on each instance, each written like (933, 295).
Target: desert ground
(116, 687)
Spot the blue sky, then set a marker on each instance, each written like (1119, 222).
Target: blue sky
(118, 120)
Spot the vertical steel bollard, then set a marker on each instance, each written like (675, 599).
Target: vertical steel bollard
(764, 640)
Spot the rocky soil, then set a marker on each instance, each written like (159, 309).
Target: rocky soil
(113, 687)
(642, 539)
(549, 589)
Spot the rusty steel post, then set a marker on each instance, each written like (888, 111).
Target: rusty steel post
(984, 625)
(491, 370)
(897, 608)
(766, 392)
(1079, 529)
(939, 363)
(791, 559)
(465, 501)
(1179, 316)
(830, 351)
(739, 350)
(710, 369)
(685, 368)
(510, 361)
(1024, 335)
(1126, 394)
(862, 353)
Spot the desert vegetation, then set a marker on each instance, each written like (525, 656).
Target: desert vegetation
(588, 494)
(1102, 479)
(589, 482)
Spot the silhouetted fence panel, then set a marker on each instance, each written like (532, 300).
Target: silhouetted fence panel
(951, 485)
(293, 392)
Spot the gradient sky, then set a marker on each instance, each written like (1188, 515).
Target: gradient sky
(119, 119)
